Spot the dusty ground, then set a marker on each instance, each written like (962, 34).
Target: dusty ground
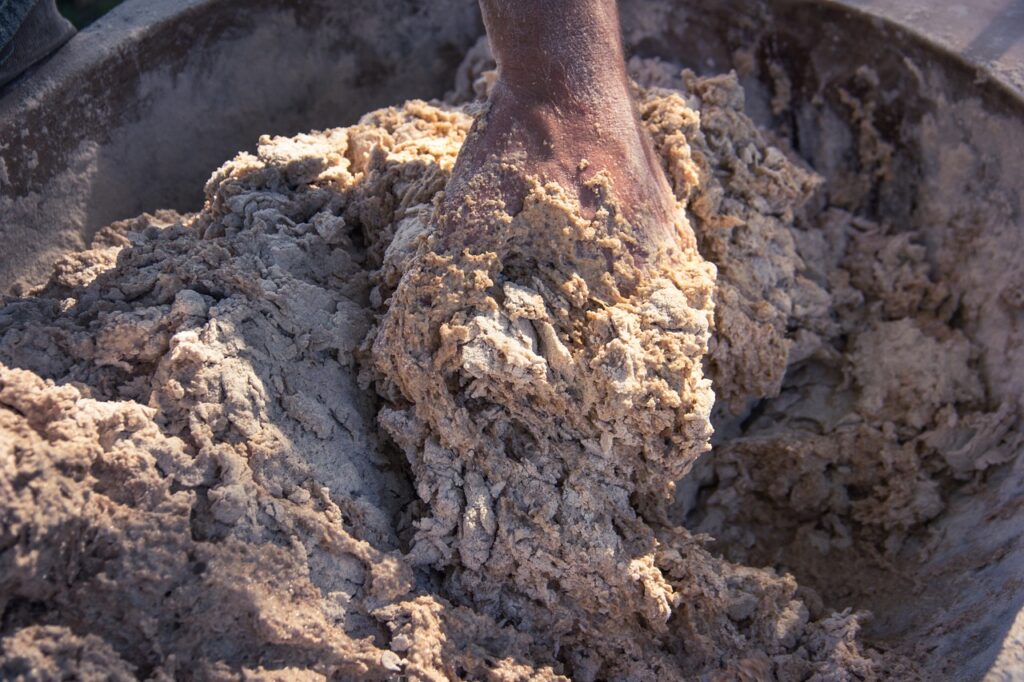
(288, 436)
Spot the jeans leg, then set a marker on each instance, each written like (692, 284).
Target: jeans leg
(33, 29)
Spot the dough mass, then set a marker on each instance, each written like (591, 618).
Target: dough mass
(289, 435)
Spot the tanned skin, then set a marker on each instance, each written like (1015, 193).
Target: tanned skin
(562, 111)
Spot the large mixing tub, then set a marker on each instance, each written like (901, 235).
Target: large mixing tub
(137, 110)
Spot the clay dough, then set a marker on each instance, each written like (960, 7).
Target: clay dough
(286, 437)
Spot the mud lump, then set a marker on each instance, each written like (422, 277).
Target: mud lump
(288, 436)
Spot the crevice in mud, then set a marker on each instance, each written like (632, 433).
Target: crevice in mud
(755, 413)
(21, 612)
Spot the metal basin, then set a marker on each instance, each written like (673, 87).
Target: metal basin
(136, 111)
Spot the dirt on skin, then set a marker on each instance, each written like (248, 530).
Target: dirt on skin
(289, 436)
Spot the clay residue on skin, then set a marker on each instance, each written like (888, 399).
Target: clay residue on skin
(546, 405)
(293, 436)
(533, 398)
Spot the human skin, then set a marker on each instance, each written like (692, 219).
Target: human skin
(561, 111)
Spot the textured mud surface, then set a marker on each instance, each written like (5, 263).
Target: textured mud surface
(288, 435)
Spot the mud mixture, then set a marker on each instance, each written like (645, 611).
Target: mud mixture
(290, 437)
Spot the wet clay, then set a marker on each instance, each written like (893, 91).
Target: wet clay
(296, 435)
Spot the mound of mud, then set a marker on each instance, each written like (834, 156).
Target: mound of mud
(288, 435)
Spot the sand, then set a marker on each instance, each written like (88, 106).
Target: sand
(295, 436)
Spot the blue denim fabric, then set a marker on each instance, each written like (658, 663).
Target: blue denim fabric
(12, 13)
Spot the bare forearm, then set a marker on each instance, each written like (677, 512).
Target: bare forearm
(562, 49)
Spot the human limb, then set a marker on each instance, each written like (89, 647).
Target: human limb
(562, 111)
